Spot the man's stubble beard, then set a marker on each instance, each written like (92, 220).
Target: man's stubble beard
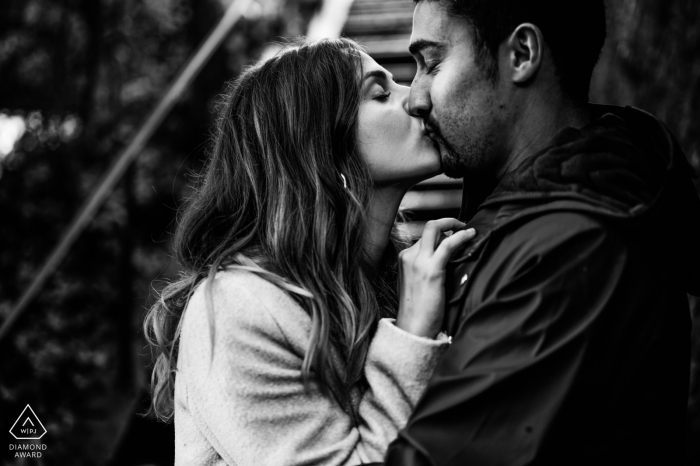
(468, 161)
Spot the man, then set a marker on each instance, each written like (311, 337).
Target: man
(569, 313)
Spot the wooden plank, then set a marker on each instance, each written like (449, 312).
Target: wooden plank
(386, 4)
(432, 200)
(441, 180)
(415, 228)
(369, 29)
(383, 47)
(403, 72)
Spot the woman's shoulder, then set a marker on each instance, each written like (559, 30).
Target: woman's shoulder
(242, 285)
(241, 300)
(242, 335)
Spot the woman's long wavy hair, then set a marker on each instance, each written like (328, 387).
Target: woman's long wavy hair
(271, 200)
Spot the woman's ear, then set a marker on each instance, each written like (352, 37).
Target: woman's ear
(525, 48)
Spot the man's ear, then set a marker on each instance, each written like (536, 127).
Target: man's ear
(525, 48)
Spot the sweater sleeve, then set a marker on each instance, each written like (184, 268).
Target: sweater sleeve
(398, 367)
(247, 396)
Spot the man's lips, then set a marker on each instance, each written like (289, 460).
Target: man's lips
(432, 135)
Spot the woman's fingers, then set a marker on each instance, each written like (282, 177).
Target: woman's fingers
(422, 277)
(433, 231)
(451, 244)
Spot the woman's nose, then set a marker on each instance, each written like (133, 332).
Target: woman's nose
(404, 92)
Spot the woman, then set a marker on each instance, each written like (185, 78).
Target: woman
(277, 345)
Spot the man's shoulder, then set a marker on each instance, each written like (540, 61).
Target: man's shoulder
(540, 247)
(534, 259)
(505, 241)
(533, 249)
(555, 230)
(563, 221)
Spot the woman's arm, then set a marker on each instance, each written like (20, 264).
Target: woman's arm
(398, 367)
(249, 400)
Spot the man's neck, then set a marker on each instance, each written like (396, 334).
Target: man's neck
(536, 127)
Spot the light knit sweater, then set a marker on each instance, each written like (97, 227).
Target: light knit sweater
(248, 406)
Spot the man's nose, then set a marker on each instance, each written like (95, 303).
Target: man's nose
(419, 104)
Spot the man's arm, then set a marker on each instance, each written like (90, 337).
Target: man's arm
(519, 358)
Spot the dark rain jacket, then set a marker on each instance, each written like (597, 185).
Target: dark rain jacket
(569, 313)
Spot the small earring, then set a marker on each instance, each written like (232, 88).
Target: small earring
(345, 184)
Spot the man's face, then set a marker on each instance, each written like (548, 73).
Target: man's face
(452, 92)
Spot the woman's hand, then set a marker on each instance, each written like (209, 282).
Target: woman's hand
(422, 276)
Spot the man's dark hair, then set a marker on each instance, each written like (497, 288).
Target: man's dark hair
(573, 30)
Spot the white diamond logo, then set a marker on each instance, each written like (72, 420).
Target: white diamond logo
(28, 426)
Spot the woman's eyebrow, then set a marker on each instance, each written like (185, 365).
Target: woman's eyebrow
(377, 74)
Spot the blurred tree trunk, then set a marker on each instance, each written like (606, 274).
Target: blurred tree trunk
(652, 61)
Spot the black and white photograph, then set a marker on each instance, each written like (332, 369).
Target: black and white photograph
(350, 232)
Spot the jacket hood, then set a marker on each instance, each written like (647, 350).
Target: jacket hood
(625, 165)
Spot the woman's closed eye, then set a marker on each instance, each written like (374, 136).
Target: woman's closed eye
(382, 97)
(378, 82)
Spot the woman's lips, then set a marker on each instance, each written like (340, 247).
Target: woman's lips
(431, 135)
(433, 140)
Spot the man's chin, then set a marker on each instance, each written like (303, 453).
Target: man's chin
(450, 164)
(457, 175)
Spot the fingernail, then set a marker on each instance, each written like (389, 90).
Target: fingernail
(471, 230)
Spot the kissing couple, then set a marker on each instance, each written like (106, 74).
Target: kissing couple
(551, 327)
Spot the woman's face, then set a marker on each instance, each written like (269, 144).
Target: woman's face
(391, 141)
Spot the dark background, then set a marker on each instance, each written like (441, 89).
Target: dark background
(84, 74)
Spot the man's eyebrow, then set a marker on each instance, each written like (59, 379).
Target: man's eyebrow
(422, 44)
(376, 74)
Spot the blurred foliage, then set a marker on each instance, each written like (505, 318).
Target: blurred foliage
(83, 74)
(651, 60)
